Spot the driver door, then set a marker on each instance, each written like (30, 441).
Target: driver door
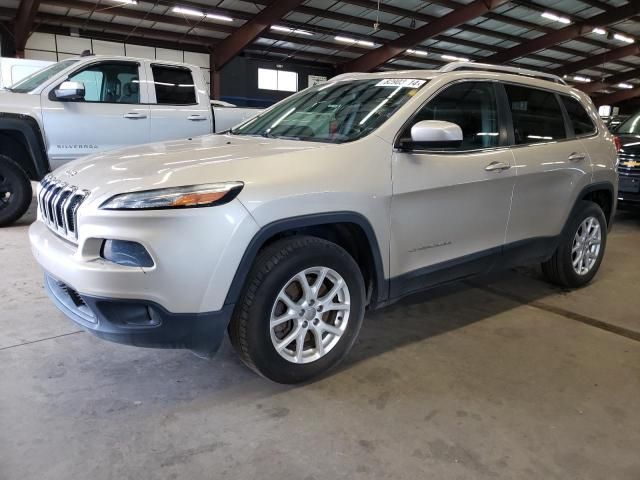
(450, 206)
(113, 114)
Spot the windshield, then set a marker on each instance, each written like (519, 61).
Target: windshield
(334, 112)
(631, 126)
(38, 78)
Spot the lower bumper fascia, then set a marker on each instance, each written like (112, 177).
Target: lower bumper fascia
(139, 322)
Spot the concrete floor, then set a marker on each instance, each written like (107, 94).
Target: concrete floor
(504, 377)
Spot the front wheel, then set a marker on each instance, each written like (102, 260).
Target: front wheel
(300, 311)
(15, 191)
(579, 255)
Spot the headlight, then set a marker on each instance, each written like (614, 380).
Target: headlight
(190, 196)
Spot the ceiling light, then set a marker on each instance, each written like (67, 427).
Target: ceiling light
(198, 13)
(556, 18)
(579, 78)
(599, 31)
(128, 2)
(454, 59)
(624, 85)
(352, 40)
(623, 38)
(223, 18)
(422, 53)
(280, 28)
(188, 11)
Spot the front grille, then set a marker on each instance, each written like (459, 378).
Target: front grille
(629, 164)
(58, 203)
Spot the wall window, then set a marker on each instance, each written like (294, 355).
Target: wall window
(173, 85)
(470, 105)
(110, 83)
(580, 119)
(536, 114)
(281, 80)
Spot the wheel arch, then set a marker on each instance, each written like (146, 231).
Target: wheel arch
(350, 230)
(21, 139)
(602, 194)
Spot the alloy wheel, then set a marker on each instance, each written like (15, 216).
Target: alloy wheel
(586, 245)
(310, 315)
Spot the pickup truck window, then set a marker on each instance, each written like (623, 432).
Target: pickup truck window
(108, 82)
(174, 85)
(36, 79)
(334, 112)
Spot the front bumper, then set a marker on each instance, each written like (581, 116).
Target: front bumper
(140, 322)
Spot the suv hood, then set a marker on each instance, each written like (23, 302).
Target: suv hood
(630, 143)
(206, 159)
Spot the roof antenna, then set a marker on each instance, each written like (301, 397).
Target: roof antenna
(86, 53)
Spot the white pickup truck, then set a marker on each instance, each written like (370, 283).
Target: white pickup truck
(90, 104)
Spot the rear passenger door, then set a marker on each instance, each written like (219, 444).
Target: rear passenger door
(179, 105)
(552, 164)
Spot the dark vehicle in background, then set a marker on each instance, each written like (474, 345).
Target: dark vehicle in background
(628, 134)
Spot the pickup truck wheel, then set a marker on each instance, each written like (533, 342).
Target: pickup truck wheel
(579, 255)
(300, 311)
(15, 191)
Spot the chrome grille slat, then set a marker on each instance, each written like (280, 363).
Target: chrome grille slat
(59, 203)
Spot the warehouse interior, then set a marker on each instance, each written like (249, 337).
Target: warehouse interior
(501, 375)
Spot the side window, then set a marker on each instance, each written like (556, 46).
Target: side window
(580, 119)
(110, 82)
(470, 105)
(536, 114)
(174, 85)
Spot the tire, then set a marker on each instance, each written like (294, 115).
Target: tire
(273, 274)
(15, 191)
(559, 269)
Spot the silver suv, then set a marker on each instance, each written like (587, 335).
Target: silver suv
(344, 197)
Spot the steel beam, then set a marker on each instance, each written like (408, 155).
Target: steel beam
(248, 32)
(394, 48)
(565, 34)
(595, 60)
(617, 97)
(611, 80)
(24, 24)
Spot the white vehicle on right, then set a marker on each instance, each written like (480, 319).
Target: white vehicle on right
(340, 199)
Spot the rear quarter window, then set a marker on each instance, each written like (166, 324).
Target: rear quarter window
(578, 116)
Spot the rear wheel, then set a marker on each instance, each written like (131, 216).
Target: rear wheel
(15, 191)
(579, 255)
(301, 310)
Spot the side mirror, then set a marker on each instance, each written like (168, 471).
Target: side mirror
(70, 91)
(433, 134)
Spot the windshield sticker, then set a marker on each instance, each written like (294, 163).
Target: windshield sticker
(401, 82)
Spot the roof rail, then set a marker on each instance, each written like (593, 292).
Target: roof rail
(453, 66)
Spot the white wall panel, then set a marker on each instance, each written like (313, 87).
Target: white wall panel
(169, 55)
(41, 41)
(72, 44)
(140, 51)
(100, 47)
(198, 59)
(40, 55)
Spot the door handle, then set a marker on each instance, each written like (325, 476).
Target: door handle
(134, 115)
(576, 157)
(497, 167)
(196, 118)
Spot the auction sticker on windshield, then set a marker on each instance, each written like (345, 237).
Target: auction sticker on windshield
(401, 82)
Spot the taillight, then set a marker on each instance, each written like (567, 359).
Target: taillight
(618, 143)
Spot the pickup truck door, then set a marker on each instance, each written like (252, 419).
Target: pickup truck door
(180, 105)
(113, 114)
